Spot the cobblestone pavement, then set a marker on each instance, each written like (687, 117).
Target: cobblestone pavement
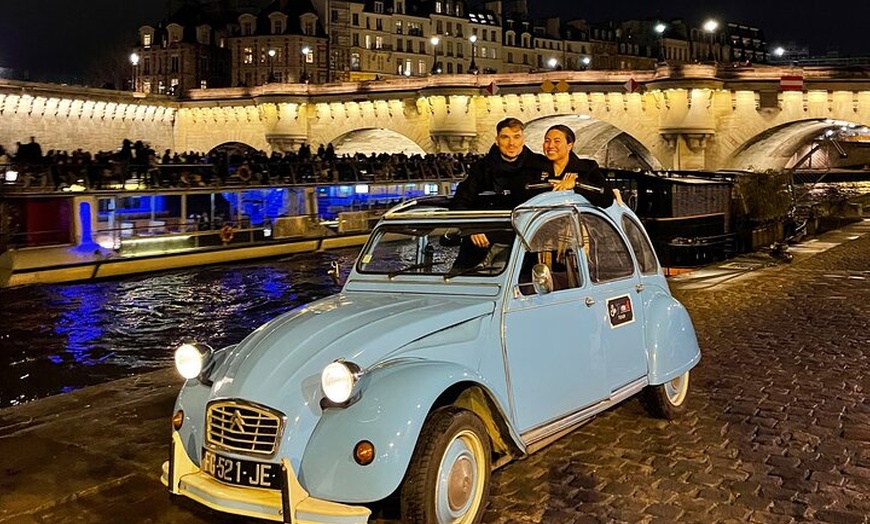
(778, 429)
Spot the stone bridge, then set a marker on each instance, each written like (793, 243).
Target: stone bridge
(694, 117)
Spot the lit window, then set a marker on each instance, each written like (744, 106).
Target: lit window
(203, 84)
(248, 56)
(146, 39)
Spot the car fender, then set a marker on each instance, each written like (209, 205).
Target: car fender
(672, 343)
(409, 388)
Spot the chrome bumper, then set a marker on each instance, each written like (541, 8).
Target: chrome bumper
(291, 505)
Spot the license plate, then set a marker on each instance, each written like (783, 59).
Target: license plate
(247, 473)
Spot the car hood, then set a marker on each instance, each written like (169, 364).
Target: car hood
(280, 363)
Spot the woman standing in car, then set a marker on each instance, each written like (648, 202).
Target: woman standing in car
(568, 169)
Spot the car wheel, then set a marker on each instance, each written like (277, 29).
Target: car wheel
(667, 400)
(448, 478)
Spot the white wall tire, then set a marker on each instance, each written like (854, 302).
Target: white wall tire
(448, 479)
(667, 400)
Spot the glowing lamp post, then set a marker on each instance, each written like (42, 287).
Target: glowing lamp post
(134, 62)
(305, 52)
(660, 29)
(710, 27)
(435, 41)
(271, 53)
(473, 67)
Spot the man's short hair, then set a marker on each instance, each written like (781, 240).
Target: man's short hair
(511, 123)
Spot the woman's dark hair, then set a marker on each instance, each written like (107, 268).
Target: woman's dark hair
(565, 130)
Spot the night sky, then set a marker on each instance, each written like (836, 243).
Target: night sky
(67, 36)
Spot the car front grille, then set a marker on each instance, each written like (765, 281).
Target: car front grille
(243, 427)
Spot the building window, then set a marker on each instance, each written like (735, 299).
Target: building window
(379, 42)
(146, 86)
(247, 29)
(355, 19)
(248, 55)
(439, 7)
(174, 64)
(309, 28)
(398, 27)
(400, 9)
(510, 57)
(309, 56)
(146, 66)
(421, 47)
(379, 24)
(379, 7)
(421, 67)
(203, 84)
(439, 28)
(146, 40)
(277, 27)
(356, 39)
(354, 62)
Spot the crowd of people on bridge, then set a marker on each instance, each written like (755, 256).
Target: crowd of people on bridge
(138, 162)
(506, 172)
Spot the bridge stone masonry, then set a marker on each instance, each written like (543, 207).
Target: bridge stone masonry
(691, 117)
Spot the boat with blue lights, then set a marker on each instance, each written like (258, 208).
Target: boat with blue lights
(136, 224)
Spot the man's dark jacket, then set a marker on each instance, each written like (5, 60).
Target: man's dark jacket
(590, 174)
(495, 183)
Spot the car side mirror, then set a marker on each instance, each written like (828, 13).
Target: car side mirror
(542, 279)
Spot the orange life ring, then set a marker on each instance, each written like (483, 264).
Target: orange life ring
(244, 173)
(227, 233)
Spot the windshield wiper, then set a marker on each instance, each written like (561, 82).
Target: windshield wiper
(422, 265)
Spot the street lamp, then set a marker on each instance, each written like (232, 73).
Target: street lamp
(305, 52)
(585, 61)
(779, 52)
(552, 63)
(271, 52)
(434, 41)
(660, 29)
(134, 61)
(710, 27)
(473, 67)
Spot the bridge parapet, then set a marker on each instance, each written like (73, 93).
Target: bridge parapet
(695, 116)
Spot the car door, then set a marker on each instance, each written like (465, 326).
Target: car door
(613, 293)
(554, 360)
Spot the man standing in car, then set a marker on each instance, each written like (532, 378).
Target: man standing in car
(498, 180)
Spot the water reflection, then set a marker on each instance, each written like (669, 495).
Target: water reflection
(58, 338)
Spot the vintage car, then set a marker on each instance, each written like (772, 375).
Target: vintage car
(461, 340)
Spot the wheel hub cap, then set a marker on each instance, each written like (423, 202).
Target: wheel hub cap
(459, 484)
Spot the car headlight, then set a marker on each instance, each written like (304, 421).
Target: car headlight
(191, 359)
(338, 380)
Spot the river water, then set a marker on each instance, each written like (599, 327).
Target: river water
(58, 338)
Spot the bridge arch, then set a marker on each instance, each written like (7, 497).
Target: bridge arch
(609, 145)
(375, 140)
(797, 144)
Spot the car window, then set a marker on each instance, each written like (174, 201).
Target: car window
(554, 244)
(607, 254)
(643, 251)
(443, 249)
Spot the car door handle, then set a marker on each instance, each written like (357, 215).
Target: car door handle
(639, 288)
(590, 301)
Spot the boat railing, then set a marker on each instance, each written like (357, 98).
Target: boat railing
(125, 176)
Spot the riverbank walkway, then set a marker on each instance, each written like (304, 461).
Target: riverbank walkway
(778, 429)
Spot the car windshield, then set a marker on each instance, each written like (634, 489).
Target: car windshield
(444, 249)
